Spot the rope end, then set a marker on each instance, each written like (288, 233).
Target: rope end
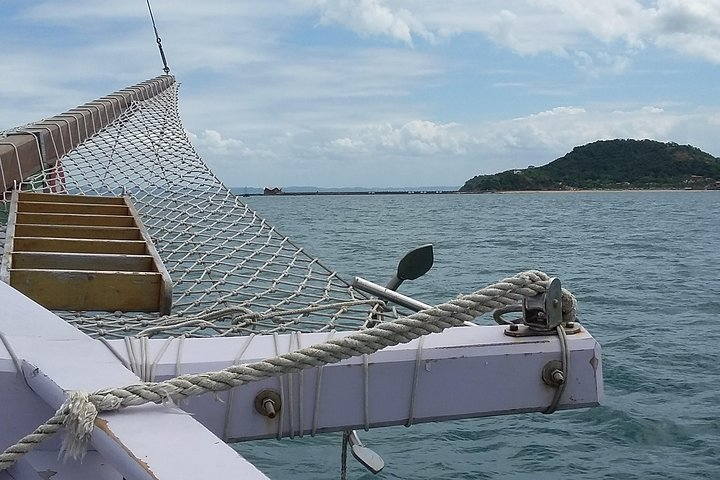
(80, 420)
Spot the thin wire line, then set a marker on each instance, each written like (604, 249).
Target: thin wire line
(166, 69)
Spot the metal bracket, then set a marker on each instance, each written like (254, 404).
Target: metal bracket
(541, 314)
(515, 330)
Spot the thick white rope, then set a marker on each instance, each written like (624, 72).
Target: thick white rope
(79, 411)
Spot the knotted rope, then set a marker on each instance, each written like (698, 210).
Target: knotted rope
(79, 411)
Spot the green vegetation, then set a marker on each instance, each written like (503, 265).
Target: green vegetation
(612, 164)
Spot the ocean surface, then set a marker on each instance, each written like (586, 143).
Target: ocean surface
(645, 267)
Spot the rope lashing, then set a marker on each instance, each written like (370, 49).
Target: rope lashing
(79, 411)
(239, 315)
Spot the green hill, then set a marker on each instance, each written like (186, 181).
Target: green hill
(611, 164)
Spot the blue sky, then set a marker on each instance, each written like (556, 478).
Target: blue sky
(378, 93)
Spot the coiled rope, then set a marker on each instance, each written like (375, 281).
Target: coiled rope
(79, 411)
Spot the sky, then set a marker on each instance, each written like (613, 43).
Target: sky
(379, 93)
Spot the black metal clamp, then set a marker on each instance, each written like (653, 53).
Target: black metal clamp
(541, 314)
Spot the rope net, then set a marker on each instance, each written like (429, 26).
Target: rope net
(232, 272)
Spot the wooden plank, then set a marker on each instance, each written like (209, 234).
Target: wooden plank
(35, 244)
(72, 208)
(82, 261)
(67, 198)
(75, 219)
(77, 231)
(80, 290)
(56, 136)
(9, 239)
(45, 267)
(165, 295)
(19, 158)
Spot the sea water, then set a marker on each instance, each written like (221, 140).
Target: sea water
(645, 267)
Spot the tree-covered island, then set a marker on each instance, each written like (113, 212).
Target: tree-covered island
(612, 164)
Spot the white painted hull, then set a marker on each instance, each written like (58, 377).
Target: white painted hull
(462, 372)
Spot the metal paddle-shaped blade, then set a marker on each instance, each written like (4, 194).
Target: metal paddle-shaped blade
(414, 264)
(369, 459)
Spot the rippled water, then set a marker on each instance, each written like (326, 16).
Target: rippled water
(645, 267)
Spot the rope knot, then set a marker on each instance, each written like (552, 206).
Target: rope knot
(79, 421)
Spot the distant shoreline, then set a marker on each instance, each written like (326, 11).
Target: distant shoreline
(359, 192)
(455, 192)
(607, 190)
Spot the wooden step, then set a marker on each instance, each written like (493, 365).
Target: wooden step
(82, 261)
(64, 198)
(77, 231)
(79, 245)
(83, 253)
(89, 291)
(75, 219)
(70, 208)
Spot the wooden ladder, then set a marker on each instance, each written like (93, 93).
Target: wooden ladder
(83, 253)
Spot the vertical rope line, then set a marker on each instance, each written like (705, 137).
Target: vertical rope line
(366, 381)
(413, 391)
(231, 393)
(115, 352)
(144, 359)
(318, 390)
(178, 360)
(155, 362)
(9, 349)
(276, 337)
(301, 388)
(291, 404)
(130, 347)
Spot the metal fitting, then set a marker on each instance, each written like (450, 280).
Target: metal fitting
(552, 373)
(268, 403)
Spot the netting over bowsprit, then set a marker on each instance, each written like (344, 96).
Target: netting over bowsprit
(232, 272)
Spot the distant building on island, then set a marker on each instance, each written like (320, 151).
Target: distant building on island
(272, 191)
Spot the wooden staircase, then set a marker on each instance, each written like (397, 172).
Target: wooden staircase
(83, 253)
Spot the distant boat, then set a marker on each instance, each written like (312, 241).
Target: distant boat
(272, 191)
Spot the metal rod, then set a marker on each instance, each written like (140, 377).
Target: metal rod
(387, 294)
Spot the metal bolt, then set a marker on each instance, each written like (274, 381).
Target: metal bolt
(570, 324)
(269, 407)
(268, 403)
(552, 374)
(513, 327)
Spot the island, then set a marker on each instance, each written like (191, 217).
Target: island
(611, 164)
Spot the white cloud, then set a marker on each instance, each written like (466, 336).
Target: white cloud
(531, 27)
(416, 137)
(601, 63)
(553, 133)
(215, 146)
(372, 18)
